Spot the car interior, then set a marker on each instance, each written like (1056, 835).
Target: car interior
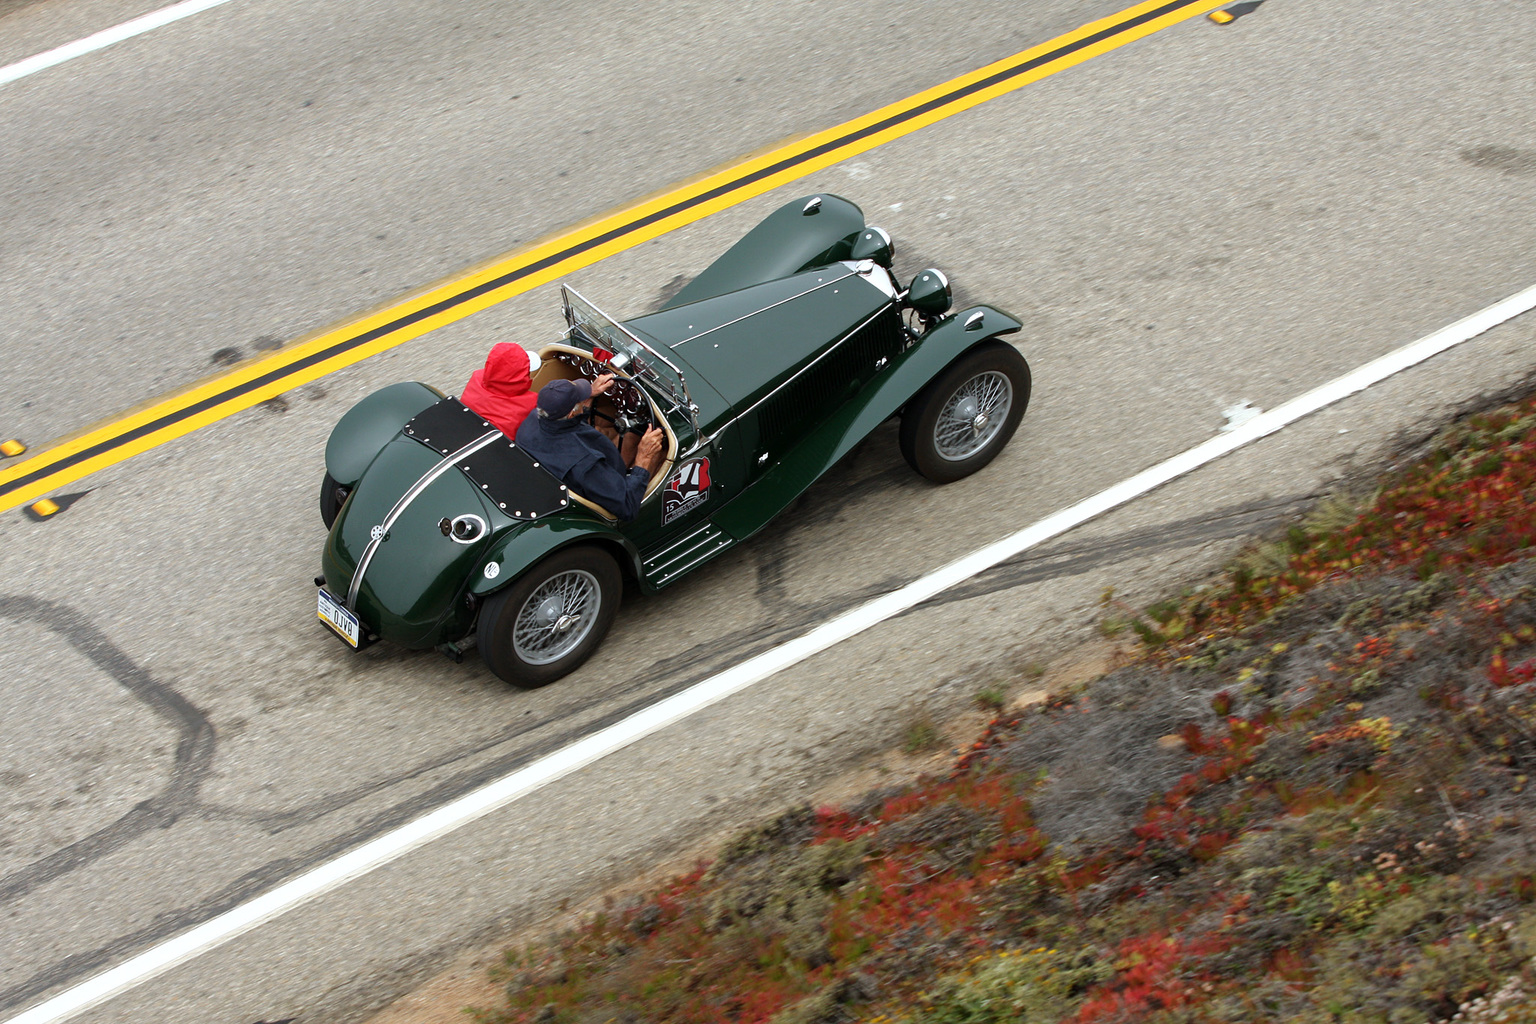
(627, 399)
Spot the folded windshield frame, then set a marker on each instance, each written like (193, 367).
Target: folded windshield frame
(628, 353)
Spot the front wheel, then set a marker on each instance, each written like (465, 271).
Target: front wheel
(547, 623)
(964, 417)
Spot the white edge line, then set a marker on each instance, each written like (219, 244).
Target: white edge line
(105, 38)
(468, 808)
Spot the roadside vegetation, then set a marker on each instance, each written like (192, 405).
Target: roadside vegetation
(1306, 798)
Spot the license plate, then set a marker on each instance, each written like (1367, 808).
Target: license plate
(335, 615)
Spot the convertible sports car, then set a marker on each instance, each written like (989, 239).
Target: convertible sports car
(762, 372)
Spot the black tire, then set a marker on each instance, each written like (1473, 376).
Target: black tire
(942, 451)
(576, 573)
(332, 496)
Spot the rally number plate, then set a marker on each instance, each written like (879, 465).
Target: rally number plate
(335, 615)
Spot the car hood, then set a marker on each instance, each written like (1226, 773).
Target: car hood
(416, 576)
(745, 342)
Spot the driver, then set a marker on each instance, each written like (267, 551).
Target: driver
(559, 437)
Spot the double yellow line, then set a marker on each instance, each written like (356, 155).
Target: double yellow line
(469, 292)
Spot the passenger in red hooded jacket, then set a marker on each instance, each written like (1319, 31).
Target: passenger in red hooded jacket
(499, 392)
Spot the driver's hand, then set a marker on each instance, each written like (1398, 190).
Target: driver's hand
(650, 445)
(603, 382)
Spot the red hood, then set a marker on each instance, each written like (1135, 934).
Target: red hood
(499, 393)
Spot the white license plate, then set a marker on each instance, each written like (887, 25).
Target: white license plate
(333, 614)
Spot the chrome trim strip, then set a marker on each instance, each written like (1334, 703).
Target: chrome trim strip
(875, 274)
(404, 503)
(670, 571)
(808, 367)
(767, 307)
(705, 534)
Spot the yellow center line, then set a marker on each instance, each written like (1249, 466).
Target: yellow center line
(332, 348)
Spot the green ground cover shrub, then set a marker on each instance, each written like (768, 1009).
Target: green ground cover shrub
(1344, 831)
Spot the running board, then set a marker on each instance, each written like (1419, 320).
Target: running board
(666, 565)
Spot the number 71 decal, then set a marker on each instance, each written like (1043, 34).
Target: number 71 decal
(687, 488)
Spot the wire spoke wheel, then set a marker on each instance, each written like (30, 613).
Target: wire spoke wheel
(556, 618)
(972, 416)
(967, 413)
(551, 617)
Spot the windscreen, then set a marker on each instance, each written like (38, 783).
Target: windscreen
(613, 344)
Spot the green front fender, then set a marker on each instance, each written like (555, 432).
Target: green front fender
(914, 368)
(892, 388)
(520, 549)
(368, 426)
(811, 231)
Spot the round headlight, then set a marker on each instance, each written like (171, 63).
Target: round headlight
(930, 294)
(874, 244)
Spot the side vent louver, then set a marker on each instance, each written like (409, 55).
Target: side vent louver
(782, 419)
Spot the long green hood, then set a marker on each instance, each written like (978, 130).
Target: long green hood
(746, 342)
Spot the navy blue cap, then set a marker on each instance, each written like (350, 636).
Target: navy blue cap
(558, 398)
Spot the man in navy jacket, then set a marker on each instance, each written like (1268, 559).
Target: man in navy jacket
(586, 461)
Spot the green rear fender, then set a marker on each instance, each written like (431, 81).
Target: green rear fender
(521, 548)
(369, 425)
(811, 231)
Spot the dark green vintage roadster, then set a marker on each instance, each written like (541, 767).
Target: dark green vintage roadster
(762, 372)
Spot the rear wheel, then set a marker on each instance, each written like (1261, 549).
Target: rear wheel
(547, 623)
(964, 417)
(332, 496)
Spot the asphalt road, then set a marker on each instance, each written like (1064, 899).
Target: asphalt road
(1210, 216)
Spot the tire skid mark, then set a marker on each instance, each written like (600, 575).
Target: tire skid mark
(255, 882)
(1077, 558)
(195, 742)
(679, 671)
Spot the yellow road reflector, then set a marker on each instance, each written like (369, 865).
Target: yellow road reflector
(45, 508)
(12, 447)
(1221, 17)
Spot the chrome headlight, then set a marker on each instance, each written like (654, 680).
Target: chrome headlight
(874, 244)
(930, 294)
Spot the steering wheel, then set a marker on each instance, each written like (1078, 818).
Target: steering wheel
(636, 415)
(624, 394)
